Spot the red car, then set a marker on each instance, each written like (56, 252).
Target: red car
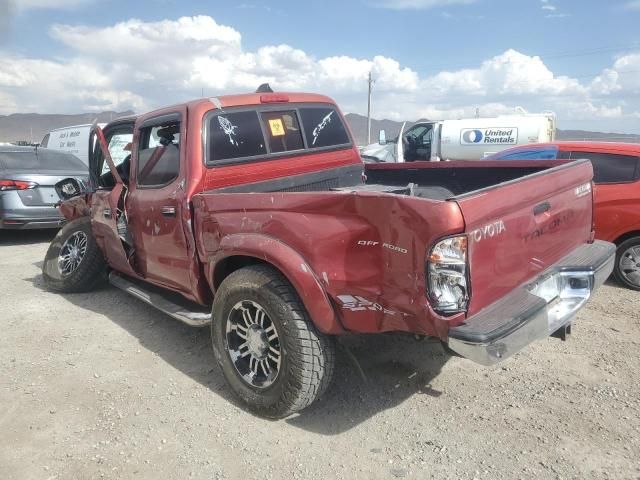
(616, 174)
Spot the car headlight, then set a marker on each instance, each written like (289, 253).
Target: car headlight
(447, 273)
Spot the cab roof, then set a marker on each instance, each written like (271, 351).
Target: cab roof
(248, 99)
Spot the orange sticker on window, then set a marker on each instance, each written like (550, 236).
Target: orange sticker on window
(277, 129)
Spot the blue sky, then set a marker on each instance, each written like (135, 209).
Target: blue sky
(433, 58)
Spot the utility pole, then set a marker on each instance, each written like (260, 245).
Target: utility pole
(371, 82)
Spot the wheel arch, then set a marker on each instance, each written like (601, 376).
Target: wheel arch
(238, 251)
(626, 236)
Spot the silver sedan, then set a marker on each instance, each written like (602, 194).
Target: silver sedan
(28, 175)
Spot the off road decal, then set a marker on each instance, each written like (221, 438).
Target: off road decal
(393, 248)
(277, 129)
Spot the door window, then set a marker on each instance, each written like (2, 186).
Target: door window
(119, 148)
(159, 154)
(610, 167)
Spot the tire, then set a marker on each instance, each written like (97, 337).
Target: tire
(87, 271)
(306, 357)
(627, 268)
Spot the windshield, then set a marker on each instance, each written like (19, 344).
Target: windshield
(40, 159)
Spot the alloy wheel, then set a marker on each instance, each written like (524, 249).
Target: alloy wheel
(253, 344)
(72, 252)
(629, 265)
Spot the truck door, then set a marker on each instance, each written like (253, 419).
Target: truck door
(156, 204)
(417, 142)
(108, 198)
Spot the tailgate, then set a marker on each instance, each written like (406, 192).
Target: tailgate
(519, 228)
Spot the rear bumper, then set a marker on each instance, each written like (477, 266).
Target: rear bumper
(30, 223)
(28, 218)
(535, 310)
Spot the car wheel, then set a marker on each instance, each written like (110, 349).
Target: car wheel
(627, 269)
(269, 351)
(74, 262)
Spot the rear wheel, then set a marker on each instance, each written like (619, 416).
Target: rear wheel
(74, 263)
(269, 351)
(627, 269)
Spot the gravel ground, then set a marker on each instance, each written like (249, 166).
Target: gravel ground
(102, 386)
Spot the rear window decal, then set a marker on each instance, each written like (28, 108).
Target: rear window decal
(228, 128)
(277, 129)
(325, 121)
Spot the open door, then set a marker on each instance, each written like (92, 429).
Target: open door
(417, 142)
(108, 202)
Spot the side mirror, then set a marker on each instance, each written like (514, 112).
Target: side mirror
(69, 188)
(382, 137)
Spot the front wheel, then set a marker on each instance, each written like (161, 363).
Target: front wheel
(269, 351)
(627, 269)
(74, 262)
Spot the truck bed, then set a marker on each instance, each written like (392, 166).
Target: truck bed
(443, 180)
(432, 180)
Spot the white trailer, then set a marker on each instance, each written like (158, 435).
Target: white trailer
(466, 139)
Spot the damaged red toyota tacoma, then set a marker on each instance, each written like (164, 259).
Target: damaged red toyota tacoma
(254, 214)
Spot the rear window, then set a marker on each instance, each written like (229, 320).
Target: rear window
(323, 127)
(40, 160)
(610, 167)
(244, 135)
(235, 135)
(542, 153)
(283, 131)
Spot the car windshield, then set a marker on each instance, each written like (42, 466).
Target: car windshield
(40, 159)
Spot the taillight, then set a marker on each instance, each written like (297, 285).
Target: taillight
(16, 185)
(448, 275)
(274, 98)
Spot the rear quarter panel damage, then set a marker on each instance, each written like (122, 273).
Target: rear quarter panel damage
(357, 260)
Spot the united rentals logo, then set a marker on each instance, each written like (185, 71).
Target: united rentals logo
(489, 136)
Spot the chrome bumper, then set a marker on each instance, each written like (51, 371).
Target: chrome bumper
(536, 310)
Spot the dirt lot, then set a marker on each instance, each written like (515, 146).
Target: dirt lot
(103, 386)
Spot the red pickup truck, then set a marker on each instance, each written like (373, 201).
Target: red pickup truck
(251, 213)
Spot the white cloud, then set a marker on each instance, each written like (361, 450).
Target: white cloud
(622, 78)
(509, 74)
(633, 5)
(142, 65)
(420, 4)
